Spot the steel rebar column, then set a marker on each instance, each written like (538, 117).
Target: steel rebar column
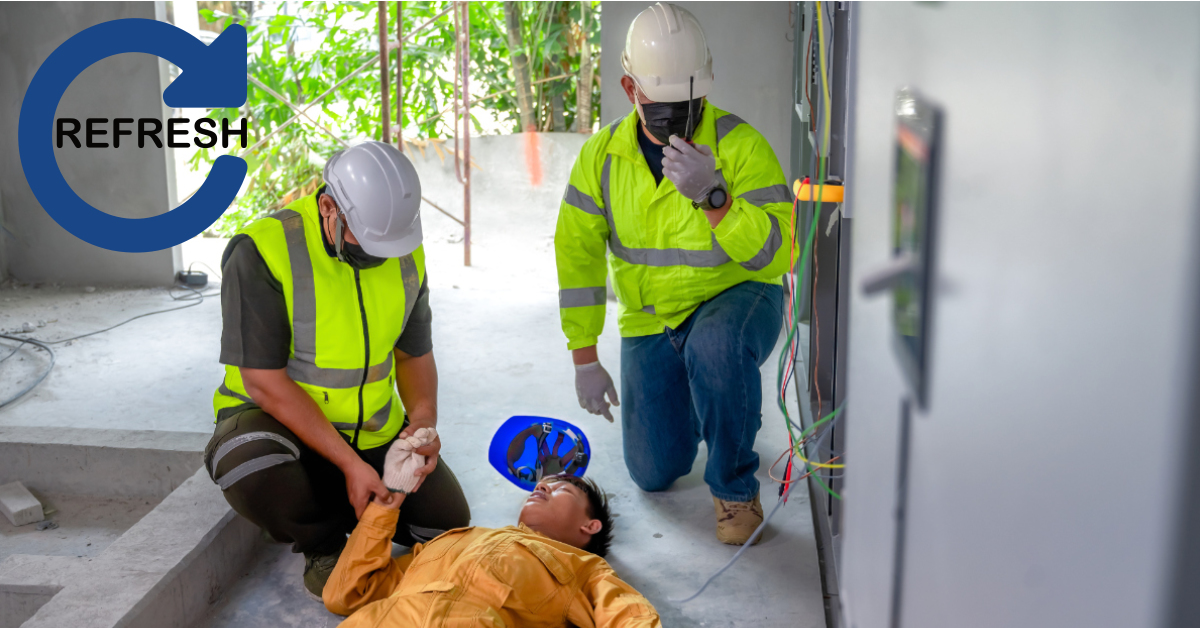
(384, 72)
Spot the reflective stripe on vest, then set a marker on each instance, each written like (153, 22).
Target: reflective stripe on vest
(684, 257)
(358, 321)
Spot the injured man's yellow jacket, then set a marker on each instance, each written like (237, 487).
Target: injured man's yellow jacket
(507, 577)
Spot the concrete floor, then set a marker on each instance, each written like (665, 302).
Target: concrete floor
(86, 525)
(500, 352)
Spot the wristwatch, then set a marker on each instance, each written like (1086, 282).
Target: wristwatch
(715, 199)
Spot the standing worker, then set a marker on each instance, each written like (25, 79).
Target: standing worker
(690, 201)
(328, 359)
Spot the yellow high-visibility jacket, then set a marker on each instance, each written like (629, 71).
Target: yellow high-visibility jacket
(479, 577)
(663, 256)
(345, 323)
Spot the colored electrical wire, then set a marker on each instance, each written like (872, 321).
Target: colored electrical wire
(827, 424)
(753, 537)
(788, 354)
(818, 465)
(827, 119)
(831, 419)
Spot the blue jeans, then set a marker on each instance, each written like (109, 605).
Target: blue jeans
(701, 381)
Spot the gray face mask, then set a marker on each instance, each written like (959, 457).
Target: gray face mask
(352, 254)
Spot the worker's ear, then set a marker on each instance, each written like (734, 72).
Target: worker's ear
(327, 206)
(591, 527)
(630, 88)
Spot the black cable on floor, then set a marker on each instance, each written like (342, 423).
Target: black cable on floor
(196, 299)
(37, 381)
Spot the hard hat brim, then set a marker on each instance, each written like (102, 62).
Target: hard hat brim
(392, 248)
(378, 191)
(666, 53)
(677, 91)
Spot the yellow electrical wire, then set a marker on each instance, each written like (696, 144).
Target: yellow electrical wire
(824, 80)
(819, 465)
(797, 447)
(821, 184)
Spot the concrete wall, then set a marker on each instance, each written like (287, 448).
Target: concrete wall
(1044, 473)
(127, 182)
(752, 61)
(520, 181)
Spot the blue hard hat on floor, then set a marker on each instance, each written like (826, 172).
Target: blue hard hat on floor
(527, 448)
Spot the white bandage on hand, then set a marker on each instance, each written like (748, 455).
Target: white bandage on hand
(403, 461)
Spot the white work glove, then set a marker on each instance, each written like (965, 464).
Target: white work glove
(692, 169)
(402, 462)
(591, 384)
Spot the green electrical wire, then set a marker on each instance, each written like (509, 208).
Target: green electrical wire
(808, 242)
(812, 470)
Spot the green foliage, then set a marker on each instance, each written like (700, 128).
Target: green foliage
(305, 49)
(555, 48)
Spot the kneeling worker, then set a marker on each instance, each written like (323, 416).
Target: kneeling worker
(548, 570)
(692, 206)
(328, 359)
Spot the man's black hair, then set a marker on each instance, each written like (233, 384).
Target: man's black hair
(597, 509)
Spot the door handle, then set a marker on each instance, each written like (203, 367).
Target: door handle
(885, 277)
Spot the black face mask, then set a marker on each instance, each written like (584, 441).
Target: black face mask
(355, 256)
(664, 119)
(352, 254)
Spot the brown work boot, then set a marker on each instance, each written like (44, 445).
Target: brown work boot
(737, 521)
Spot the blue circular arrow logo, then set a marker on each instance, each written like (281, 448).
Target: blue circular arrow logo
(212, 76)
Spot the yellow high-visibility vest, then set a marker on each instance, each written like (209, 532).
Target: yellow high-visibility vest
(663, 256)
(345, 324)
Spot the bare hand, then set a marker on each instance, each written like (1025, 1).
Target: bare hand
(363, 484)
(430, 452)
(392, 501)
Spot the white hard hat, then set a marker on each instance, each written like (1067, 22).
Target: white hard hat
(664, 50)
(377, 189)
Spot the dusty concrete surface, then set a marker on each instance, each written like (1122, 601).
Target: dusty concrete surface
(86, 526)
(270, 593)
(91, 462)
(151, 374)
(500, 352)
(164, 571)
(137, 536)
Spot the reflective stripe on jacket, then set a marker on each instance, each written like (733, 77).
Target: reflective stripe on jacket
(477, 577)
(345, 324)
(663, 256)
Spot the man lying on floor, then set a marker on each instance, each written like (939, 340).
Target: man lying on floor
(547, 570)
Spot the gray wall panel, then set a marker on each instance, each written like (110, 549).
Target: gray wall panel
(1043, 472)
(127, 182)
